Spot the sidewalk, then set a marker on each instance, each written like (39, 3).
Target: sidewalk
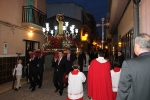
(8, 86)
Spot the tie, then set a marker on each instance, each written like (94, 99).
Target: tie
(58, 61)
(68, 57)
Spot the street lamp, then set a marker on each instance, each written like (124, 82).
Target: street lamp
(103, 24)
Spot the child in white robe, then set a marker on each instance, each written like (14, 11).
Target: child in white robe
(75, 83)
(18, 69)
(115, 76)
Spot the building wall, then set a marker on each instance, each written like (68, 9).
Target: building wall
(41, 5)
(62, 8)
(14, 38)
(11, 30)
(127, 21)
(6, 68)
(114, 42)
(11, 11)
(13, 33)
(144, 14)
(125, 26)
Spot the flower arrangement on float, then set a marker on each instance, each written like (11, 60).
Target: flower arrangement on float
(56, 43)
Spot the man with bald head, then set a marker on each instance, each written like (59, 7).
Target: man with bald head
(135, 73)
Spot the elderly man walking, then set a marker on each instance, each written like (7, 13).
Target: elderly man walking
(135, 73)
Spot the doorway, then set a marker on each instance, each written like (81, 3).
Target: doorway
(30, 46)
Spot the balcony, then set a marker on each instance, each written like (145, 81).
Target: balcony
(33, 18)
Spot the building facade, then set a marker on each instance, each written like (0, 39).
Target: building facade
(124, 15)
(21, 22)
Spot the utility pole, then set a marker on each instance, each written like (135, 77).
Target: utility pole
(103, 24)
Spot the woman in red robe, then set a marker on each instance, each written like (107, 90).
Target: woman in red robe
(99, 79)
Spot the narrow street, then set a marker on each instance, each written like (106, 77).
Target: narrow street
(46, 92)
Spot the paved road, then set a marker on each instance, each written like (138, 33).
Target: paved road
(46, 92)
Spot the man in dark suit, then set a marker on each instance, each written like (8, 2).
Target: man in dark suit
(135, 73)
(32, 72)
(27, 64)
(91, 54)
(40, 67)
(81, 60)
(60, 67)
(70, 59)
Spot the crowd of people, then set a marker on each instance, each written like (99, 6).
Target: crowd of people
(128, 80)
(34, 69)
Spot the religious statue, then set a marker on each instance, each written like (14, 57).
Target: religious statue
(60, 18)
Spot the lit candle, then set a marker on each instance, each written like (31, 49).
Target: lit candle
(77, 49)
(113, 49)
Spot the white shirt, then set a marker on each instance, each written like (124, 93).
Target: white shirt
(19, 69)
(101, 59)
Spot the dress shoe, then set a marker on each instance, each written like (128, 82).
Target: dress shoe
(60, 93)
(56, 90)
(65, 86)
(16, 89)
(39, 86)
(30, 87)
(33, 89)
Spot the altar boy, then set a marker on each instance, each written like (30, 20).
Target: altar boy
(75, 81)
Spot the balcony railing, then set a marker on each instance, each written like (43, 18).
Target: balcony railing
(33, 15)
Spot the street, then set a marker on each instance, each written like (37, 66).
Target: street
(46, 92)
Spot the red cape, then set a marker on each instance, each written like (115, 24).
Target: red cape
(99, 81)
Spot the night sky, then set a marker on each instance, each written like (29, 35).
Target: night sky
(98, 8)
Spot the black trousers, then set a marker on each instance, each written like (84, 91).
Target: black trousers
(40, 77)
(58, 83)
(33, 78)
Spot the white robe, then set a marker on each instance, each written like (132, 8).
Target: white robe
(115, 76)
(75, 85)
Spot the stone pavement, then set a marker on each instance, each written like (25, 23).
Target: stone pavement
(46, 92)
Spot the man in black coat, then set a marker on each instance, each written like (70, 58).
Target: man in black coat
(135, 73)
(91, 55)
(60, 67)
(32, 72)
(27, 64)
(40, 68)
(118, 62)
(70, 59)
(81, 60)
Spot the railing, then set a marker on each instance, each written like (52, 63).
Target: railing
(33, 15)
